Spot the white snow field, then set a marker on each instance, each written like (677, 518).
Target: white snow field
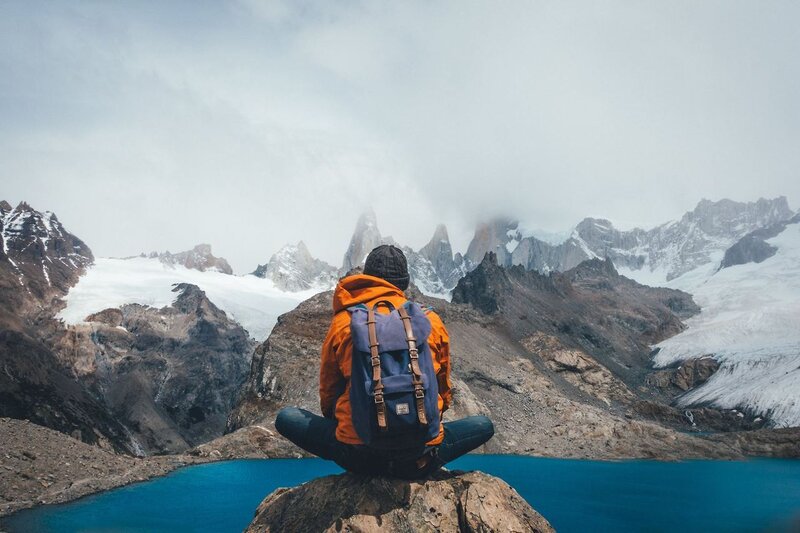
(750, 322)
(253, 302)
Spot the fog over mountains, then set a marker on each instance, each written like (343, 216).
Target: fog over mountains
(655, 256)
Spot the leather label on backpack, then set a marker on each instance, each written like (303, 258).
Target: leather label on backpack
(402, 409)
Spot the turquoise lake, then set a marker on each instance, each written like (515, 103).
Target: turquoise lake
(574, 495)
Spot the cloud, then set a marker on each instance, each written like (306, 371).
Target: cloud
(252, 124)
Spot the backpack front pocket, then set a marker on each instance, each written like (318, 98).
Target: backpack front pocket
(401, 406)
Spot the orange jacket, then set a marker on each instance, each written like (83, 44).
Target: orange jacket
(337, 351)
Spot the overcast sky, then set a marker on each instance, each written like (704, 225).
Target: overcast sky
(158, 125)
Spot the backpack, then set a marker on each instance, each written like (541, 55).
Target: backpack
(394, 394)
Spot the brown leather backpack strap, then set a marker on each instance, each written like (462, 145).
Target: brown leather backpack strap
(375, 359)
(416, 372)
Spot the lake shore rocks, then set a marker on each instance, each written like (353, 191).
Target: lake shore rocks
(445, 502)
(43, 466)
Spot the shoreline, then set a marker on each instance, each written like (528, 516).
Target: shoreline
(57, 469)
(193, 461)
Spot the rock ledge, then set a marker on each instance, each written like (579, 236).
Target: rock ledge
(447, 502)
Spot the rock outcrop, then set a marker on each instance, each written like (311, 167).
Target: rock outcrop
(293, 268)
(590, 308)
(447, 502)
(753, 247)
(171, 375)
(198, 258)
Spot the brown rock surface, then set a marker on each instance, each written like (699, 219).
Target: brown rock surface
(40, 465)
(447, 502)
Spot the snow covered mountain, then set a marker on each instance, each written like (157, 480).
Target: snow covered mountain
(750, 322)
(198, 258)
(652, 256)
(438, 252)
(38, 258)
(293, 268)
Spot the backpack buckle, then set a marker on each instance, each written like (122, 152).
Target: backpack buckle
(419, 394)
(378, 397)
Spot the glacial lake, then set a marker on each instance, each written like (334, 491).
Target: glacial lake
(574, 495)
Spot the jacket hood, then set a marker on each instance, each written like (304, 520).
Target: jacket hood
(361, 288)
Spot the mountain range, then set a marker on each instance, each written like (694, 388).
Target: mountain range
(655, 256)
(152, 354)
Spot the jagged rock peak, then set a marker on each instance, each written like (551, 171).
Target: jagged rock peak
(438, 248)
(447, 268)
(40, 255)
(447, 501)
(193, 300)
(484, 286)
(366, 237)
(500, 236)
(293, 268)
(595, 265)
(198, 258)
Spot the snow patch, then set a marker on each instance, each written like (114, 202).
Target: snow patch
(253, 302)
(750, 322)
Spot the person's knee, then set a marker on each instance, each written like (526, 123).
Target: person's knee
(485, 426)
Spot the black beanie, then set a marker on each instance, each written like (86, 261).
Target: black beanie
(388, 262)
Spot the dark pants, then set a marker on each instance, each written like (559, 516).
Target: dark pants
(317, 435)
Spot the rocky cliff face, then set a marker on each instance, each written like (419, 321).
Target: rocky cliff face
(135, 379)
(447, 502)
(438, 252)
(198, 258)
(366, 237)
(499, 236)
(434, 268)
(293, 268)
(170, 375)
(591, 308)
(39, 261)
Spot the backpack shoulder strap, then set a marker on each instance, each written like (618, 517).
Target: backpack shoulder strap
(375, 360)
(416, 372)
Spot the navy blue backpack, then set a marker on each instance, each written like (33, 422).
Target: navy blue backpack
(394, 394)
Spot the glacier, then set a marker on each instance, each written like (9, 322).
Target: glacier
(253, 302)
(750, 322)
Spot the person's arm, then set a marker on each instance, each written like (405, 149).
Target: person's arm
(439, 341)
(331, 381)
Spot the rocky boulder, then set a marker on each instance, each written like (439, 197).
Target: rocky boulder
(448, 501)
